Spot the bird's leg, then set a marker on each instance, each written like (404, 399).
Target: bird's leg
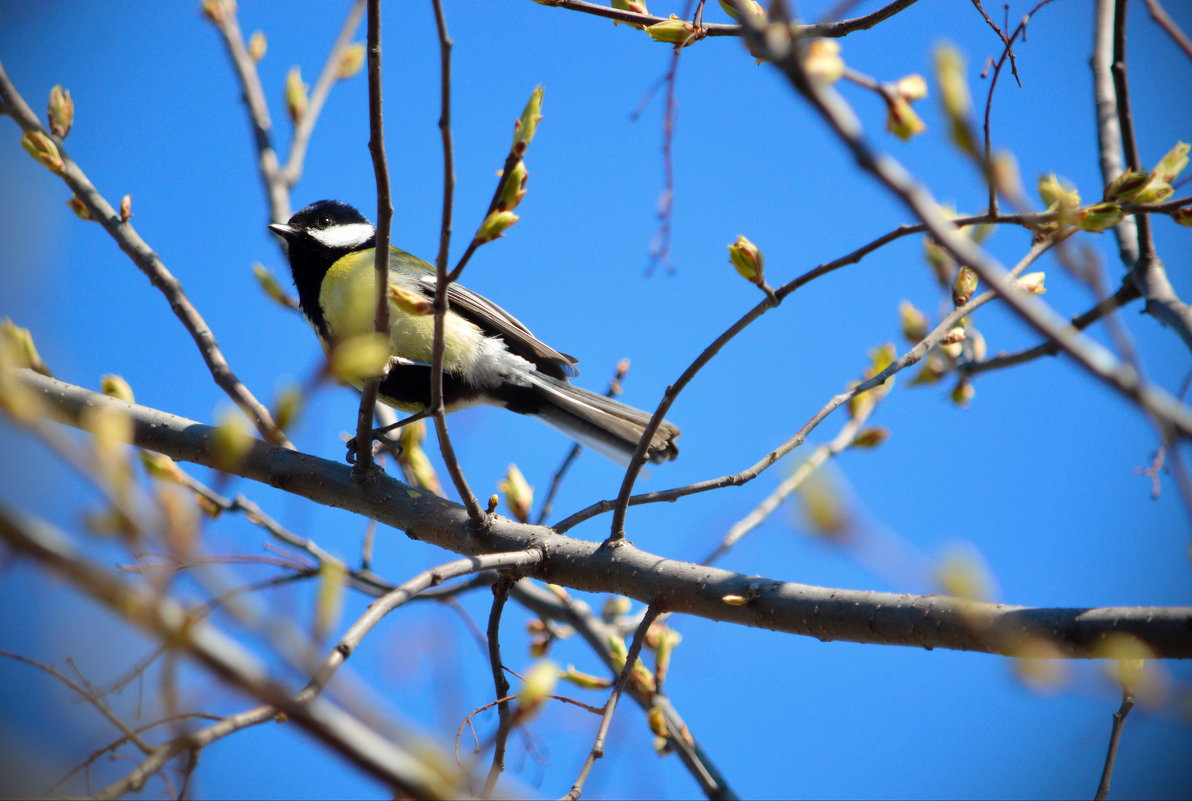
(379, 433)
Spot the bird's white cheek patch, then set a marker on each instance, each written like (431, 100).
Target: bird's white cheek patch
(344, 236)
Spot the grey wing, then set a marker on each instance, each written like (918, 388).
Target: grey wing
(495, 321)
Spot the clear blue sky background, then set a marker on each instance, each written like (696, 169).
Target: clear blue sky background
(1039, 475)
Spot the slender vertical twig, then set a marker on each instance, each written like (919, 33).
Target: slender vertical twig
(500, 595)
(376, 147)
(1115, 738)
(442, 279)
(610, 706)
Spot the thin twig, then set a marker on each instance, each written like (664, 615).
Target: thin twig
(610, 706)
(736, 479)
(125, 235)
(842, 441)
(442, 279)
(88, 695)
(1115, 737)
(1109, 134)
(501, 684)
(1159, 15)
(365, 465)
(828, 29)
(277, 195)
(292, 172)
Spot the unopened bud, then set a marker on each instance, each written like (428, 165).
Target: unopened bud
(964, 285)
(218, 11)
(514, 187)
(42, 148)
(748, 260)
(750, 7)
(1183, 216)
(1127, 185)
(1172, 164)
(954, 335)
(585, 680)
(495, 225)
(296, 94)
(1032, 283)
(911, 87)
(914, 322)
(257, 45)
(79, 208)
(1006, 176)
(901, 119)
(657, 720)
(519, 495)
(270, 286)
(954, 91)
(115, 386)
(288, 406)
(871, 437)
(1099, 216)
(963, 393)
(614, 607)
(411, 301)
(1155, 192)
(415, 464)
(61, 111)
(232, 441)
(636, 6)
(1055, 195)
(351, 60)
(17, 348)
(672, 31)
(527, 125)
(126, 208)
(356, 359)
(823, 62)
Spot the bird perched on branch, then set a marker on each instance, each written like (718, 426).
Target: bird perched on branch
(489, 357)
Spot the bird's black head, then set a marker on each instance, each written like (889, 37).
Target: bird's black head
(327, 225)
(316, 237)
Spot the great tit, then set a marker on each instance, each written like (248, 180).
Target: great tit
(489, 357)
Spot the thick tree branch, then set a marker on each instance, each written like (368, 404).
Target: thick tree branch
(825, 613)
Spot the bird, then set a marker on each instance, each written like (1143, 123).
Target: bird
(490, 358)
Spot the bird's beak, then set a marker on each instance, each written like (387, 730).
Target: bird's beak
(284, 231)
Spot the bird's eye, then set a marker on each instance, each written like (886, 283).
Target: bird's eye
(325, 221)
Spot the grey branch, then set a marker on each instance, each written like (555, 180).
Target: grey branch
(824, 613)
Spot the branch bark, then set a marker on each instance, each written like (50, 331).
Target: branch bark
(824, 613)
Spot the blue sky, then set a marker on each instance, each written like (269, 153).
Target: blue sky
(1038, 474)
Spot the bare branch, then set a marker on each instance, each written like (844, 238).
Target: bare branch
(828, 29)
(828, 614)
(610, 706)
(442, 279)
(151, 265)
(376, 148)
(1159, 15)
(292, 172)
